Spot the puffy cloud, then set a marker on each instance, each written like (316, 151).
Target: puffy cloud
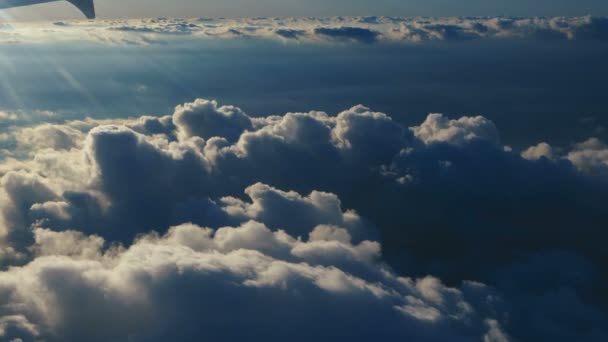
(56, 137)
(21, 192)
(294, 208)
(438, 128)
(369, 137)
(542, 150)
(195, 282)
(205, 119)
(293, 212)
(591, 157)
(147, 125)
(70, 243)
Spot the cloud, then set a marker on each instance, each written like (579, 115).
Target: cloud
(22, 191)
(591, 28)
(364, 30)
(356, 34)
(293, 212)
(542, 150)
(439, 129)
(56, 137)
(305, 209)
(70, 243)
(7, 117)
(591, 157)
(290, 33)
(204, 119)
(194, 282)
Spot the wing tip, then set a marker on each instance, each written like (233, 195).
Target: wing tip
(87, 7)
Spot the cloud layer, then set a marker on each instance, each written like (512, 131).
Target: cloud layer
(197, 223)
(364, 30)
(228, 284)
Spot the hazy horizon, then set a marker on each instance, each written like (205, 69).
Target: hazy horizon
(113, 9)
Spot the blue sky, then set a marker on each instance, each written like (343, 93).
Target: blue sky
(240, 8)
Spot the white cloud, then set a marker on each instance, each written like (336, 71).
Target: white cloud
(591, 156)
(191, 280)
(70, 243)
(205, 119)
(542, 150)
(56, 137)
(438, 128)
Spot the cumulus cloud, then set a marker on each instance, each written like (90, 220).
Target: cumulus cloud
(438, 128)
(297, 212)
(204, 119)
(194, 283)
(313, 212)
(364, 30)
(56, 137)
(542, 150)
(591, 156)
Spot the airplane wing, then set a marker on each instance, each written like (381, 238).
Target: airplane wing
(85, 6)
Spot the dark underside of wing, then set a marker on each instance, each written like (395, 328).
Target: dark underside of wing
(85, 6)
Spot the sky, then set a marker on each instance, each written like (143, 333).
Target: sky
(304, 179)
(507, 80)
(299, 8)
